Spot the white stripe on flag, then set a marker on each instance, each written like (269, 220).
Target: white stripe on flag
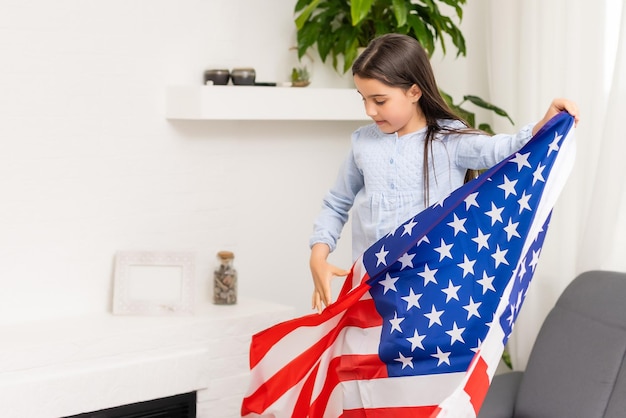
(396, 391)
(288, 348)
(351, 341)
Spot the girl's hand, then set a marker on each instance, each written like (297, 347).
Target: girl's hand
(322, 273)
(557, 106)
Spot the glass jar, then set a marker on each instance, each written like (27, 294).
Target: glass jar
(225, 280)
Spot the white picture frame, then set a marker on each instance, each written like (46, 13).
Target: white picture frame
(154, 283)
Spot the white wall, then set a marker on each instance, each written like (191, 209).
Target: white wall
(89, 164)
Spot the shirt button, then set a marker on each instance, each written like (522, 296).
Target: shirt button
(392, 186)
(391, 161)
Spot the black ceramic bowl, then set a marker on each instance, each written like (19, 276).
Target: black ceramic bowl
(218, 77)
(243, 76)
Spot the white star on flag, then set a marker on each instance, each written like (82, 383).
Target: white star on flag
(442, 357)
(434, 317)
(495, 214)
(482, 240)
(381, 255)
(455, 334)
(408, 227)
(389, 283)
(457, 224)
(412, 300)
(395, 323)
(554, 145)
(467, 265)
(509, 187)
(444, 250)
(428, 275)
(486, 282)
(472, 308)
(416, 340)
(406, 260)
(521, 160)
(451, 291)
(523, 201)
(406, 361)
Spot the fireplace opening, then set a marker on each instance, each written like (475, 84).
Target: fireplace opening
(177, 406)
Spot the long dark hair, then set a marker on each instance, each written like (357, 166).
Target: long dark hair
(400, 61)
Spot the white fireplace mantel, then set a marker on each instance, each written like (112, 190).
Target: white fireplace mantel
(65, 367)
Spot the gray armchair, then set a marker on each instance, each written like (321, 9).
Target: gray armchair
(577, 367)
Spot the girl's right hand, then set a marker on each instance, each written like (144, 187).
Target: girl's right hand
(322, 273)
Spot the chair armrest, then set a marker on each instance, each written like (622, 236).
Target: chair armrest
(500, 399)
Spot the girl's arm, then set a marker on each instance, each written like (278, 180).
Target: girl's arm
(336, 205)
(478, 152)
(327, 229)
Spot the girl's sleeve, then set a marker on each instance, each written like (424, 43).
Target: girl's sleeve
(478, 152)
(337, 204)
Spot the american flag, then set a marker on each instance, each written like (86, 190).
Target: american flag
(421, 322)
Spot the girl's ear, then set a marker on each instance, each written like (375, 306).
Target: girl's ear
(414, 93)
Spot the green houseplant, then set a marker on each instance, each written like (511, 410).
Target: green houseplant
(338, 29)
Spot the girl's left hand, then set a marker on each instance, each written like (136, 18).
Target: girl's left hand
(557, 106)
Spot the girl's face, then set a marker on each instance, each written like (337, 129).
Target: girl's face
(392, 108)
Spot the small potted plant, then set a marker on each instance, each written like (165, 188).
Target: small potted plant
(300, 77)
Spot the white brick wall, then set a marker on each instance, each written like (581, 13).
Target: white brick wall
(56, 368)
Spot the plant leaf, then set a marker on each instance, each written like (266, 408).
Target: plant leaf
(306, 13)
(487, 128)
(359, 9)
(307, 36)
(300, 5)
(421, 33)
(350, 55)
(466, 115)
(506, 358)
(446, 98)
(486, 105)
(400, 11)
(457, 6)
(324, 47)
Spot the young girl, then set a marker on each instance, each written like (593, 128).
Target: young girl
(415, 153)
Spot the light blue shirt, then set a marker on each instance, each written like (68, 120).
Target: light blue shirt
(382, 181)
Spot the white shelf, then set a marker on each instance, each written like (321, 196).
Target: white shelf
(263, 103)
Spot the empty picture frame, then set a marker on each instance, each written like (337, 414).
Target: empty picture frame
(153, 283)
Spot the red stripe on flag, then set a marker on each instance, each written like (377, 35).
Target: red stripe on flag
(347, 284)
(357, 276)
(348, 367)
(263, 341)
(435, 412)
(361, 367)
(400, 412)
(478, 384)
(302, 405)
(361, 314)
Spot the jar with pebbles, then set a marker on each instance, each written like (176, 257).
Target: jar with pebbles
(225, 280)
